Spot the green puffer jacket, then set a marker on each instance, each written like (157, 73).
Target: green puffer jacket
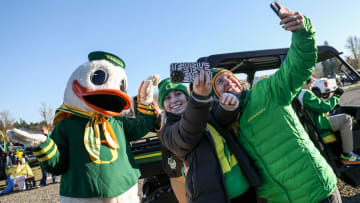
(317, 109)
(292, 169)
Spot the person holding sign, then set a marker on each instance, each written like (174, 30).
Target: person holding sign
(291, 167)
(212, 172)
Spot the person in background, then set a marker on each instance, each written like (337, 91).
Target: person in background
(291, 167)
(19, 156)
(45, 130)
(10, 185)
(318, 109)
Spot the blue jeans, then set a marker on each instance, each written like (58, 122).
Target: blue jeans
(44, 175)
(333, 198)
(54, 178)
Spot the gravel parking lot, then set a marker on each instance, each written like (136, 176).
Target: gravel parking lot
(50, 193)
(351, 95)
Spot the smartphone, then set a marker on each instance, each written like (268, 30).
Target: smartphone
(186, 72)
(276, 7)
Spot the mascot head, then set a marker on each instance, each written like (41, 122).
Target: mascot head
(99, 85)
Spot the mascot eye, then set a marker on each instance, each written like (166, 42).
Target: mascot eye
(99, 77)
(123, 86)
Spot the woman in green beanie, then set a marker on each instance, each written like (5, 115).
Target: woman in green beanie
(173, 97)
(212, 172)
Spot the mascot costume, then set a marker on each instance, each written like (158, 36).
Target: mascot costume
(89, 144)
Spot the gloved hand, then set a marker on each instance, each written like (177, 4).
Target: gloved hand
(338, 92)
(27, 138)
(146, 90)
(229, 102)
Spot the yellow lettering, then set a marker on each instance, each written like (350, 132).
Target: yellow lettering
(258, 113)
(115, 60)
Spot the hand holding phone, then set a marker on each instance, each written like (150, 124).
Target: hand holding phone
(291, 21)
(186, 72)
(276, 7)
(202, 84)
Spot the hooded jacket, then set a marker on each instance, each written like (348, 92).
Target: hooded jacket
(291, 167)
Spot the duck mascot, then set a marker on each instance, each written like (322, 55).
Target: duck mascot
(89, 144)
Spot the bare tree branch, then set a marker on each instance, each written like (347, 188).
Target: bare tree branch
(353, 44)
(6, 122)
(47, 114)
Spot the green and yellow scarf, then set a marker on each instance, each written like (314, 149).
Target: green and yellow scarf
(92, 140)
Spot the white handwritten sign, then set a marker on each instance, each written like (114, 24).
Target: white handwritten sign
(186, 72)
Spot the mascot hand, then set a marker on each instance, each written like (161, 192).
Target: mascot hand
(29, 139)
(229, 102)
(146, 90)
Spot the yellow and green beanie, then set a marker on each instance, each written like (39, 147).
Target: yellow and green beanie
(215, 73)
(166, 86)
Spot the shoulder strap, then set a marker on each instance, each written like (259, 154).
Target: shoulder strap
(300, 98)
(242, 157)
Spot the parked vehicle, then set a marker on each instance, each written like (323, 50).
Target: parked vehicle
(7, 156)
(156, 186)
(248, 65)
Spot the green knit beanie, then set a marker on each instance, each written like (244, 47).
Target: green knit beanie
(166, 86)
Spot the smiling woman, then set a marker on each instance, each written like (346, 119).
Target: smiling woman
(173, 97)
(175, 102)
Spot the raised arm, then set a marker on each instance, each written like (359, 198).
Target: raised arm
(300, 61)
(314, 103)
(183, 132)
(54, 153)
(51, 152)
(147, 111)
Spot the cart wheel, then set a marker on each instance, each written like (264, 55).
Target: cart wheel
(30, 183)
